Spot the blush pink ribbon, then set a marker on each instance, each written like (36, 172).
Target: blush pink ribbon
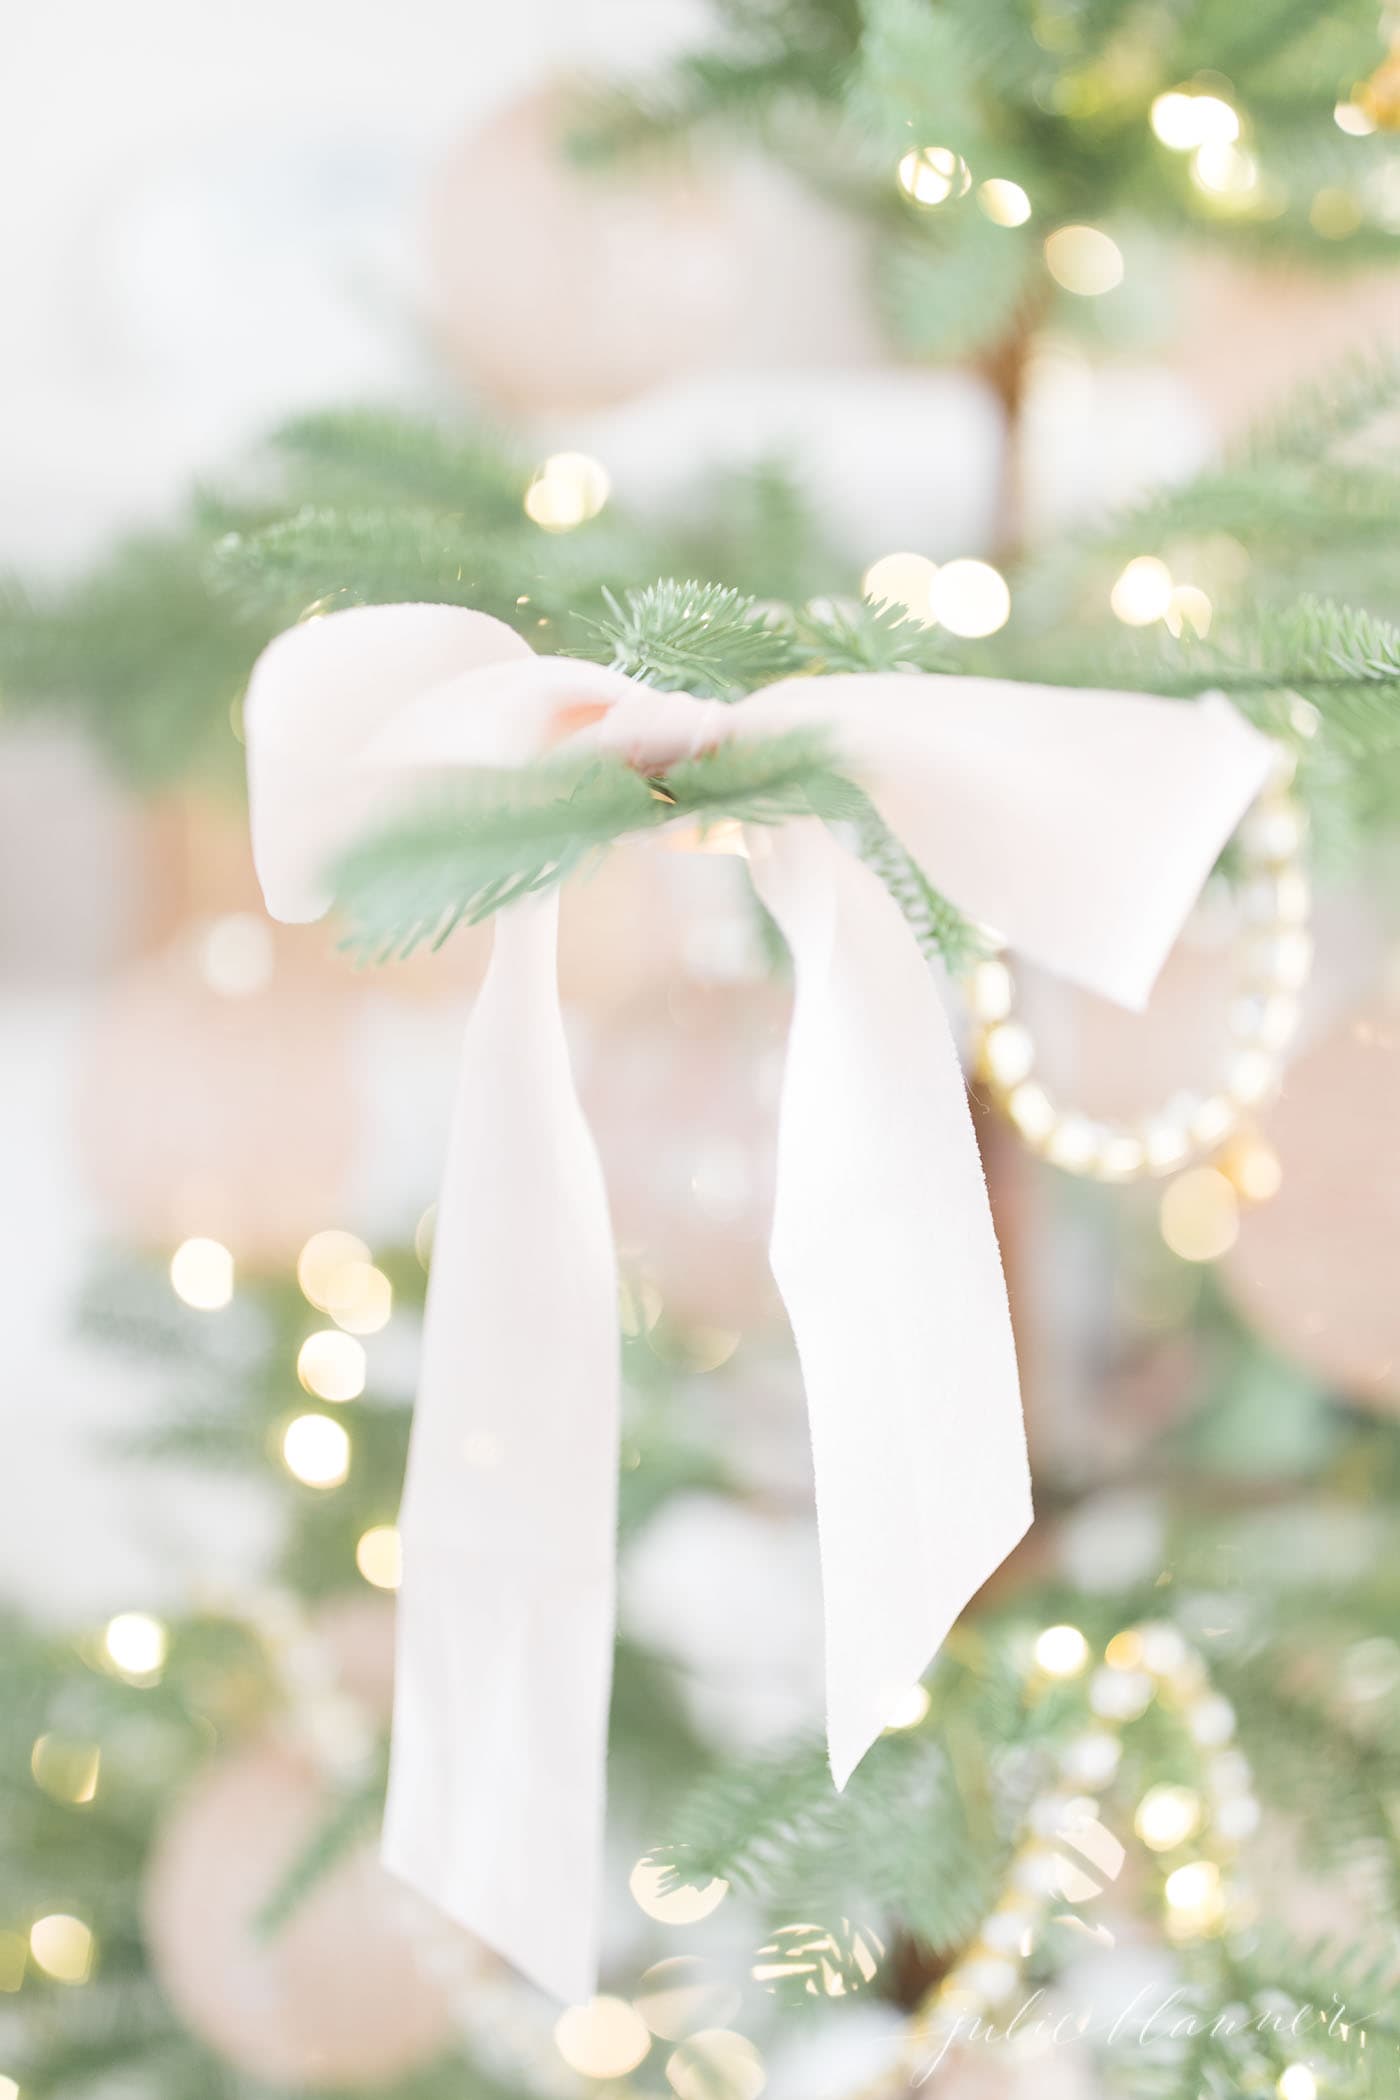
(1081, 824)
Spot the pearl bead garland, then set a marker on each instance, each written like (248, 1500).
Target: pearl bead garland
(1142, 1665)
(1276, 957)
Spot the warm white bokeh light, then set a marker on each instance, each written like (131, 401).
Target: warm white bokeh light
(316, 1451)
(136, 1644)
(1143, 591)
(904, 580)
(930, 175)
(201, 1274)
(682, 1906)
(379, 1556)
(1005, 203)
(606, 2038)
(568, 490)
(970, 599)
(1061, 1651)
(62, 1946)
(332, 1365)
(1084, 260)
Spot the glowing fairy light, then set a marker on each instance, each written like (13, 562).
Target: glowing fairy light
(568, 490)
(1005, 203)
(201, 1274)
(1084, 260)
(970, 599)
(379, 1556)
(930, 175)
(1061, 1651)
(316, 1451)
(136, 1645)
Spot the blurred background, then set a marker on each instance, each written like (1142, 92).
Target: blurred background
(741, 324)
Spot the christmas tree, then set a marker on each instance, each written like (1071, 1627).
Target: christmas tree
(1135, 1829)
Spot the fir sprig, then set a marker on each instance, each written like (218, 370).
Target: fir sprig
(510, 833)
(694, 637)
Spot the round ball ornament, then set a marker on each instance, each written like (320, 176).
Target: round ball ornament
(1195, 1123)
(216, 1099)
(338, 1996)
(559, 288)
(1314, 1271)
(682, 1095)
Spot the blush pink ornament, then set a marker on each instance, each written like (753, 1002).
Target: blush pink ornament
(1314, 1268)
(205, 1114)
(558, 288)
(682, 1091)
(338, 1997)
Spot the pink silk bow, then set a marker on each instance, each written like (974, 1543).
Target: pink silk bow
(1080, 824)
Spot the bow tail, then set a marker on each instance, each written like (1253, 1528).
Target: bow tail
(506, 1613)
(885, 1254)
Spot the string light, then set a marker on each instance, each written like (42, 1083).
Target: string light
(1224, 171)
(682, 1994)
(910, 1708)
(1061, 1651)
(810, 1961)
(606, 2038)
(8, 2088)
(379, 1556)
(332, 1365)
(66, 1771)
(322, 1262)
(1353, 119)
(716, 2062)
(1167, 1816)
(904, 580)
(679, 1906)
(201, 1274)
(970, 599)
(361, 1299)
(568, 490)
(1084, 260)
(63, 1947)
(1296, 2082)
(1142, 592)
(1188, 608)
(136, 1645)
(1199, 1215)
(1183, 120)
(930, 175)
(316, 1451)
(1194, 1899)
(1005, 203)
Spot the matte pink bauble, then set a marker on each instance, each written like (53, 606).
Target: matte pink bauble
(338, 1997)
(557, 287)
(228, 1117)
(1314, 1270)
(682, 1094)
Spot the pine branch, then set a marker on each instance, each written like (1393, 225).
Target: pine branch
(942, 932)
(373, 456)
(958, 287)
(351, 1818)
(503, 835)
(694, 637)
(838, 635)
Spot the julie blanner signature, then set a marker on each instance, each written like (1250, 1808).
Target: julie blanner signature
(1149, 2019)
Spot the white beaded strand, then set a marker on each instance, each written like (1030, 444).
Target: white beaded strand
(1276, 956)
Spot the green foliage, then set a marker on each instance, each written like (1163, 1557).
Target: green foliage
(695, 637)
(503, 835)
(942, 932)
